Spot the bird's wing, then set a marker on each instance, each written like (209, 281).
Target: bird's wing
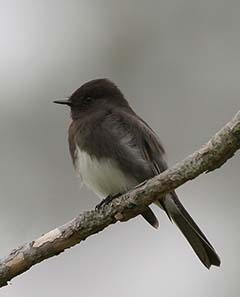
(134, 145)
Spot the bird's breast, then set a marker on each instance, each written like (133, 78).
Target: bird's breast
(103, 175)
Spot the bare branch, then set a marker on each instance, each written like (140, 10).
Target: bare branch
(212, 155)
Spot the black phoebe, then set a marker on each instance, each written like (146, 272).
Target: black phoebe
(113, 150)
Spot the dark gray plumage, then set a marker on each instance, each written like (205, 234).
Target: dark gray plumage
(113, 150)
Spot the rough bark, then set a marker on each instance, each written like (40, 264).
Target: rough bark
(209, 157)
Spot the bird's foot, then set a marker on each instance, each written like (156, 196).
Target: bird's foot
(106, 201)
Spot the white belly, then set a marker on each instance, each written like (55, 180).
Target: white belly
(104, 177)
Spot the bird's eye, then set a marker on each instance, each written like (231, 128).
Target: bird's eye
(87, 100)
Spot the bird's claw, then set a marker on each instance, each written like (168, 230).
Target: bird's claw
(106, 201)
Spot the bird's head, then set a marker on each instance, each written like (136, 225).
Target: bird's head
(93, 95)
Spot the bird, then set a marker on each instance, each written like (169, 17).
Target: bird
(113, 150)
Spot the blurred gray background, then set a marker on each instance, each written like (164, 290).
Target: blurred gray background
(178, 63)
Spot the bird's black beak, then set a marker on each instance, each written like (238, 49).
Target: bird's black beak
(64, 102)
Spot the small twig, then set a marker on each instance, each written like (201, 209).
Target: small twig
(212, 155)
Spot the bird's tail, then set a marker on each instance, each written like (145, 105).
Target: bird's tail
(202, 247)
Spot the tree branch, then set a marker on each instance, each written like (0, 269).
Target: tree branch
(212, 155)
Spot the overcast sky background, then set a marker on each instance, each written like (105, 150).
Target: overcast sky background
(178, 63)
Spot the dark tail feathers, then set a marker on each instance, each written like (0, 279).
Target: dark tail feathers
(190, 230)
